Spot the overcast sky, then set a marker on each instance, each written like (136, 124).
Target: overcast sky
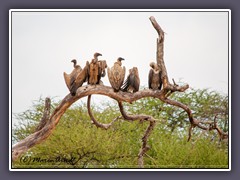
(44, 43)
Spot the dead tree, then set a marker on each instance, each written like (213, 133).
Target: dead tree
(49, 122)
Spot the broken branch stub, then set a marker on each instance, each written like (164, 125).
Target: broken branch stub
(46, 114)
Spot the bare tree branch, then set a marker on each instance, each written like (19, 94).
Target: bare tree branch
(94, 121)
(42, 134)
(152, 123)
(160, 52)
(46, 114)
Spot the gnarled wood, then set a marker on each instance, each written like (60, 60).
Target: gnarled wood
(46, 114)
(140, 117)
(42, 134)
(94, 121)
(160, 51)
(39, 136)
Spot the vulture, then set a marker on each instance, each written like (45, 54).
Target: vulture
(69, 78)
(132, 82)
(80, 79)
(154, 77)
(102, 72)
(94, 74)
(102, 65)
(116, 75)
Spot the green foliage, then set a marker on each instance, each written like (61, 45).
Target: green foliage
(76, 143)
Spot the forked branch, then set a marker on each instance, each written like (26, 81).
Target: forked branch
(149, 129)
(94, 121)
(45, 131)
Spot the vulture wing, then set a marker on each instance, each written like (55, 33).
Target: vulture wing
(76, 71)
(110, 77)
(67, 79)
(103, 65)
(160, 80)
(123, 71)
(80, 79)
(126, 84)
(150, 77)
(99, 73)
(135, 81)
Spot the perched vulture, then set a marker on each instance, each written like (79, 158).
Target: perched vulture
(154, 77)
(116, 74)
(69, 78)
(132, 82)
(102, 66)
(80, 79)
(94, 74)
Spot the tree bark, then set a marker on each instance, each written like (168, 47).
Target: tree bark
(42, 134)
(46, 114)
(160, 51)
(147, 133)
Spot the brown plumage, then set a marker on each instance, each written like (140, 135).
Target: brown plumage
(132, 82)
(116, 74)
(102, 72)
(154, 77)
(102, 65)
(80, 79)
(94, 74)
(69, 78)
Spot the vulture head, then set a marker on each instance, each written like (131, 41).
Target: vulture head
(119, 60)
(97, 54)
(95, 59)
(74, 61)
(154, 66)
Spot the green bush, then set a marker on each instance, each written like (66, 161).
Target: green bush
(77, 143)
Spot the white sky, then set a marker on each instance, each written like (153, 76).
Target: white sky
(44, 43)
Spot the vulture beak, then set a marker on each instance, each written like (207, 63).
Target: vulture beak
(97, 54)
(121, 59)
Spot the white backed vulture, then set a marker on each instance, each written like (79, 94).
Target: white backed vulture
(154, 77)
(69, 78)
(80, 79)
(94, 74)
(116, 75)
(132, 82)
(102, 65)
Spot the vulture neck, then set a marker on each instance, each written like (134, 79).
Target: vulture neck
(96, 57)
(119, 63)
(74, 64)
(95, 60)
